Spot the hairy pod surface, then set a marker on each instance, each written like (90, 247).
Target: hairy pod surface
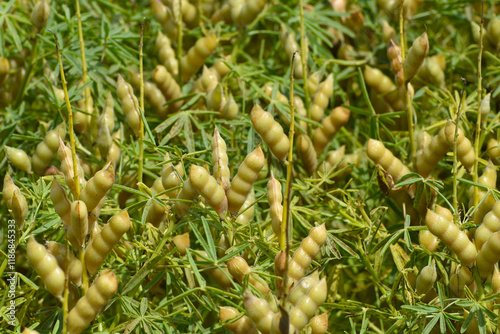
(87, 308)
(259, 312)
(275, 199)
(46, 266)
(430, 154)
(489, 255)
(241, 326)
(168, 86)
(331, 125)
(79, 226)
(41, 13)
(450, 234)
(319, 324)
(270, 131)
(18, 158)
(307, 250)
(98, 186)
(47, 148)
(382, 156)
(490, 224)
(307, 153)
(103, 243)
(129, 103)
(415, 56)
(243, 181)
(207, 186)
(74, 267)
(308, 305)
(428, 240)
(197, 55)
(465, 152)
(323, 95)
(188, 194)
(239, 269)
(426, 279)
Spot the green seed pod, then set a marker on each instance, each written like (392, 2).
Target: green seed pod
(65, 157)
(104, 139)
(220, 160)
(457, 286)
(220, 67)
(46, 266)
(157, 213)
(247, 210)
(490, 224)
(270, 131)
(450, 234)
(394, 55)
(302, 287)
(291, 45)
(313, 82)
(171, 177)
(75, 268)
(429, 155)
(241, 326)
(493, 151)
(47, 148)
(103, 243)
(207, 186)
(308, 305)
(86, 309)
(169, 87)
(188, 194)
(428, 240)
(182, 242)
(62, 205)
(331, 125)
(197, 55)
(382, 156)
(323, 95)
(493, 32)
(166, 55)
(384, 86)
(239, 269)
(319, 324)
(8, 190)
(40, 14)
(108, 114)
(209, 79)
(130, 105)
(243, 181)
(98, 186)
(426, 279)
(165, 17)
(207, 7)
(307, 153)
(332, 159)
(216, 99)
(79, 227)
(114, 151)
(247, 12)
(259, 312)
(416, 56)
(431, 72)
(19, 208)
(220, 275)
(18, 158)
(465, 152)
(388, 32)
(275, 197)
(307, 251)
(485, 106)
(489, 255)
(230, 109)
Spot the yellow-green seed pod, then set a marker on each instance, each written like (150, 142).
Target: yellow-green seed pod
(19, 208)
(307, 153)
(247, 209)
(29, 331)
(259, 312)
(465, 152)
(165, 17)
(489, 255)
(331, 160)
(18, 158)
(275, 198)
(168, 86)
(428, 240)
(493, 32)
(188, 194)
(62, 205)
(415, 56)
(166, 55)
(103, 243)
(207, 7)
(248, 11)
(230, 109)
(40, 14)
(171, 177)
(313, 82)
(307, 251)
(308, 305)
(47, 148)
(241, 326)
(104, 138)
(152, 94)
(319, 324)
(243, 181)
(495, 282)
(197, 55)
(301, 288)
(114, 151)
(87, 308)
(431, 72)
(490, 224)
(383, 85)
(388, 32)
(394, 55)
(129, 103)
(239, 269)
(45, 265)
(323, 95)
(382, 156)
(493, 151)
(108, 113)
(450, 234)
(457, 286)
(75, 268)
(209, 79)
(215, 98)
(429, 156)
(270, 131)
(207, 186)
(65, 157)
(331, 125)
(79, 227)
(485, 106)
(220, 160)
(98, 186)
(157, 213)
(291, 46)
(182, 242)
(426, 279)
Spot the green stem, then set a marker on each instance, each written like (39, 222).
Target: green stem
(303, 51)
(141, 101)
(455, 159)
(479, 120)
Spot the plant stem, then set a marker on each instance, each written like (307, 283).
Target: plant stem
(179, 42)
(455, 161)
(303, 58)
(479, 95)
(141, 101)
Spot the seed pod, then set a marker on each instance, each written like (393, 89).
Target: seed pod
(394, 55)
(46, 266)
(103, 243)
(416, 56)
(153, 95)
(207, 186)
(157, 213)
(18, 158)
(239, 268)
(487, 179)
(108, 113)
(19, 208)
(74, 269)
(291, 46)
(247, 209)
(493, 32)
(319, 324)
(168, 86)
(490, 224)
(65, 157)
(29, 331)
(313, 83)
(104, 139)
(166, 55)
(188, 194)
(259, 312)
(275, 197)
(85, 311)
(98, 186)
(220, 275)
(306, 153)
(249, 12)
(197, 55)
(426, 279)
(331, 125)
(382, 156)
(220, 160)
(450, 234)
(307, 251)
(165, 17)
(230, 109)
(243, 181)
(114, 151)
(428, 240)
(216, 99)
(302, 287)
(383, 85)
(457, 286)
(465, 152)
(171, 177)
(489, 255)
(388, 32)
(493, 151)
(495, 282)
(307, 306)
(270, 131)
(79, 226)
(209, 79)
(241, 326)
(429, 156)
(331, 160)
(485, 106)
(207, 7)
(47, 148)
(40, 14)
(130, 105)
(431, 72)
(182, 242)
(62, 205)
(323, 95)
